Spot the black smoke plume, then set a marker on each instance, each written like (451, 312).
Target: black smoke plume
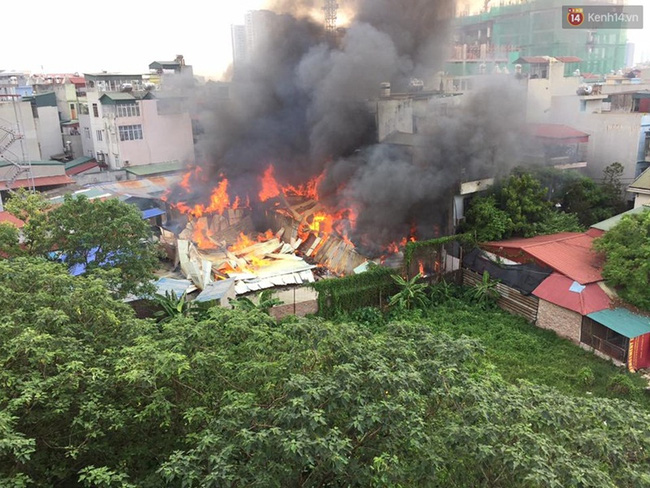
(306, 103)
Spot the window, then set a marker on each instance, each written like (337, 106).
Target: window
(87, 132)
(95, 110)
(128, 110)
(130, 132)
(99, 135)
(83, 109)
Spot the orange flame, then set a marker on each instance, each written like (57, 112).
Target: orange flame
(421, 268)
(200, 235)
(307, 190)
(270, 187)
(243, 241)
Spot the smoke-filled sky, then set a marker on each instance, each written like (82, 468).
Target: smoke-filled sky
(304, 104)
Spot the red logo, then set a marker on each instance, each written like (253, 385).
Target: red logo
(575, 16)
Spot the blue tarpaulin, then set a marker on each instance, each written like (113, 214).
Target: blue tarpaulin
(152, 212)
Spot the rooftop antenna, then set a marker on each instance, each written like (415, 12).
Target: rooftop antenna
(330, 9)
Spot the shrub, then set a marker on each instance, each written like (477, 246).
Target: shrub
(621, 384)
(586, 376)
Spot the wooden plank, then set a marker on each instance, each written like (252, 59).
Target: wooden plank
(510, 299)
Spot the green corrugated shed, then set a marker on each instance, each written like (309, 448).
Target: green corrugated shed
(612, 221)
(155, 169)
(642, 182)
(623, 321)
(77, 162)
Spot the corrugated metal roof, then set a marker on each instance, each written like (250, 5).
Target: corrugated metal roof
(178, 287)
(216, 290)
(607, 224)
(119, 97)
(642, 182)
(152, 169)
(89, 193)
(145, 187)
(43, 181)
(152, 212)
(7, 217)
(77, 162)
(555, 131)
(568, 253)
(623, 321)
(557, 289)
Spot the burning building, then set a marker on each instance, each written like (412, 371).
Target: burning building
(295, 150)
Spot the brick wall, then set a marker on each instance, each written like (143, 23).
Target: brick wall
(564, 322)
(302, 309)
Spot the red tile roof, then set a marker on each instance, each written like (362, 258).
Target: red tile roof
(557, 290)
(7, 217)
(559, 132)
(568, 253)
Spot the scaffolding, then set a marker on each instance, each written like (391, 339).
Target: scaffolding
(330, 9)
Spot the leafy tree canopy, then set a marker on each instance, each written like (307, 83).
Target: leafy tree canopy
(627, 251)
(93, 397)
(102, 235)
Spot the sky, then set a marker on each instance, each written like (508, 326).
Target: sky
(125, 36)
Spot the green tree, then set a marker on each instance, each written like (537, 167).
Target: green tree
(9, 240)
(265, 302)
(411, 294)
(485, 292)
(613, 187)
(486, 220)
(100, 235)
(558, 221)
(105, 234)
(587, 200)
(627, 251)
(523, 199)
(91, 396)
(31, 208)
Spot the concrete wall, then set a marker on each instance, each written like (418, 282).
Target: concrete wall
(564, 322)
(21, 115)
(48, 129)
(100, 177)
(394, 115)
(165, 137)
(641, 199)
(301, 309)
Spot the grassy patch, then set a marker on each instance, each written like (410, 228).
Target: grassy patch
(521, 350)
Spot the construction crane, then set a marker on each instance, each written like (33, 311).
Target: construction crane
(330, 9)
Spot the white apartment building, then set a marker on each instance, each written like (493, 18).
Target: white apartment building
(126, 122)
